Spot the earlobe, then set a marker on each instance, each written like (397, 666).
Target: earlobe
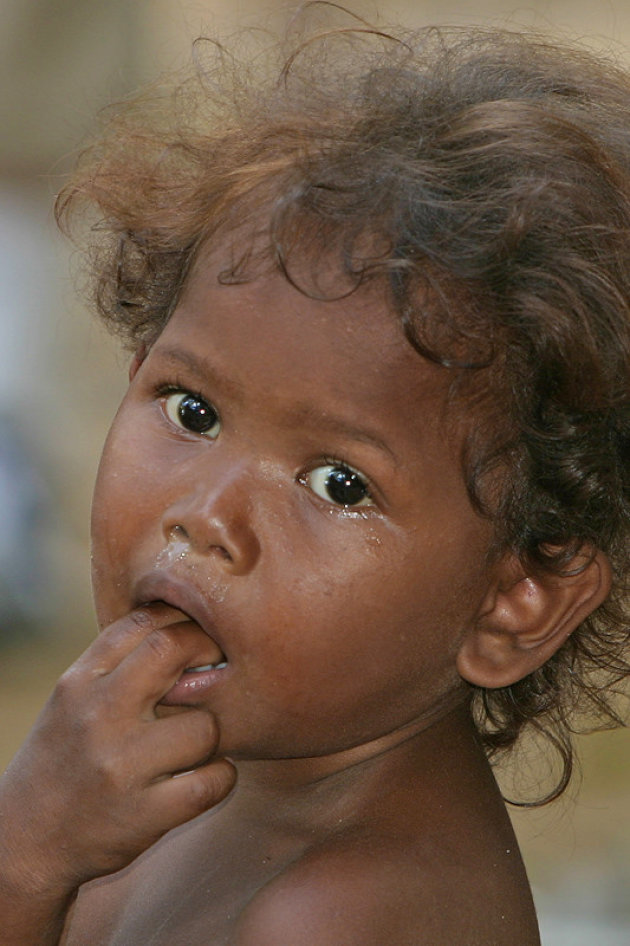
(525, 618)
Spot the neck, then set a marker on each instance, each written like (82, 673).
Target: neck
(299, 788)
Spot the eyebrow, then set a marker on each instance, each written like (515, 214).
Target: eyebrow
(306, 414)
(203, 368)
(299, 415)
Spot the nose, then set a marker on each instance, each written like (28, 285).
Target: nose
(213, 516)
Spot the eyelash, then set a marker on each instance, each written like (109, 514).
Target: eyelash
(175, 387)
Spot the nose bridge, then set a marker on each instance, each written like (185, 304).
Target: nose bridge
(213, 511)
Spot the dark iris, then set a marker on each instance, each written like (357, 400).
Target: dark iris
(196, 414)
(345, 487)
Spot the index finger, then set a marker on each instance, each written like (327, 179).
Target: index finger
(147, 674)
(123, 636)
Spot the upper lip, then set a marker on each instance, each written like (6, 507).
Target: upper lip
(166, 587)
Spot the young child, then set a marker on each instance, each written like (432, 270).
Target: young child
(362, 518)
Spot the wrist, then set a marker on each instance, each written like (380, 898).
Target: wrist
(31, 870)
(33, 909)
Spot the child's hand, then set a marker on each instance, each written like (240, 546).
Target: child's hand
(92, 787)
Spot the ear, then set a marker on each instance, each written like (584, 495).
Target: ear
(139, 355)
(525, 618)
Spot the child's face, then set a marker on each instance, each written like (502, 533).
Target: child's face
(257, 414)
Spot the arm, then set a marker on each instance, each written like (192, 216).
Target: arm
(93, 785)
(30, 916)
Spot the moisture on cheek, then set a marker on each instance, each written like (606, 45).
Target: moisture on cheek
(347, 512)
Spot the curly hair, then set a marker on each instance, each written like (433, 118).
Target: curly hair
(488, 174)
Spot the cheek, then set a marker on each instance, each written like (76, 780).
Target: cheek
(129, 474)
(350, 660)
(379, 609)
(406, 579)
(113, 503)
(123, 505)
(110, 519)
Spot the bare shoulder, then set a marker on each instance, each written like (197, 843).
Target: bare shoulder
(367, 891)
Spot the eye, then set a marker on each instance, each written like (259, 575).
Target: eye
(340, 484)
(193, 413)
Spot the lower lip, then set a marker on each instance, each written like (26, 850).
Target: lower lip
(192, 687)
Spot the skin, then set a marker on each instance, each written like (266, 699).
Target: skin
(357, 806)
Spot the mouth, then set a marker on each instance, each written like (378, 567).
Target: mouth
(209, 650)
(193, 607)
(221, 665)
(194, 682)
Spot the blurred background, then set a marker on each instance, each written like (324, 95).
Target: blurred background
(61, 378)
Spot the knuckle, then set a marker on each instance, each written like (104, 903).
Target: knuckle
(66, 686)
(204, 728)
(112, 776)
(198, 734)
(207, 787)
(162, 645)
(142, 618)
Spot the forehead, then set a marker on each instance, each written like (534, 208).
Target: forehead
(329, 352)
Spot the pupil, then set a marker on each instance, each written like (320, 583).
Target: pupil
(197, 415)
(345, 487)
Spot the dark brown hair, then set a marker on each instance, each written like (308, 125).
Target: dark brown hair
(485, 175)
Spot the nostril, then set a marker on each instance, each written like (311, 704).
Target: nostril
(177, 547)
(212, 519)
(177, 532)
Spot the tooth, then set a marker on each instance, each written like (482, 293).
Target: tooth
(219, 666)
